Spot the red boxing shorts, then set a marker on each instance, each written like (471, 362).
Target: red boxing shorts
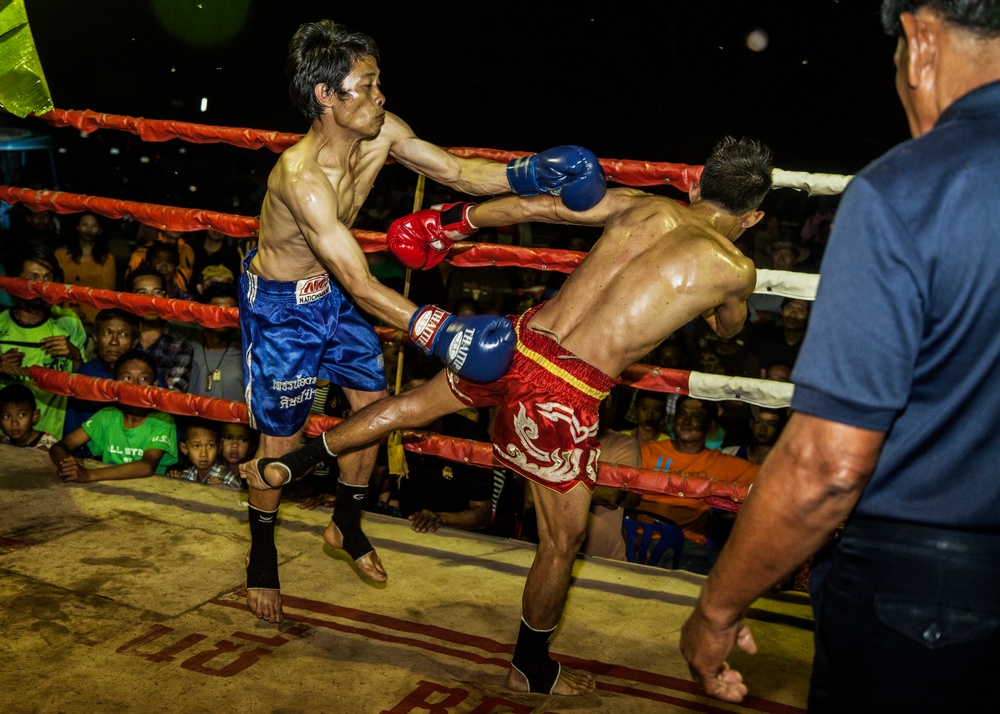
(546, 425)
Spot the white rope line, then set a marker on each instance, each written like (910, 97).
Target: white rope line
(785, 283)
(761, 392)
(815, 184)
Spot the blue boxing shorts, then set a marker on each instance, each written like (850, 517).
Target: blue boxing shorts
(294, 333)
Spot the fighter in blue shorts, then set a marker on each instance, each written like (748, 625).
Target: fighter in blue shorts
(297, 326)
(294, 334)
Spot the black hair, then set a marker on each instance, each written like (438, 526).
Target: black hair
(660, 397)
(17, 394)
(220, 289)
(711, 408)
(101, 248)
(142, 270)
(323, 53)
(164, 248)
(981, 17)
(135, 355)
(780, 412)
(787, 300)
(737, 175)
(117, 313)
(252, 434)
(186, 424)
(35, 253)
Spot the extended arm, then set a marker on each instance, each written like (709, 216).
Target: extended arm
(474, 176)
(508, 210)
(146, 466)
(571, 172)
(421, 240)
(806, 488)
(70, 468)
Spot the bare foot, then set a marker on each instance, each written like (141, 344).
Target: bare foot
(274, 476)
(570, 683)
(369, 563)
(265, 604)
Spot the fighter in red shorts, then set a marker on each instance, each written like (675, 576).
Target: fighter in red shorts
(657, 266)
(548, 401)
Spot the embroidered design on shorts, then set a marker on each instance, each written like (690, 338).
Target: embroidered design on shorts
(305, 386)
(456, 384)
(557, 465)
(311, 289)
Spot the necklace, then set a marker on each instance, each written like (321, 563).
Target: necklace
(214, 375)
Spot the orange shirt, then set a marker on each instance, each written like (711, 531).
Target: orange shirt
(86, 274)
(689, 514)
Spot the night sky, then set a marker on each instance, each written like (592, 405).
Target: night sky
(657, 81)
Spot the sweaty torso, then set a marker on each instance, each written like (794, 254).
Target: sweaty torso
(656, 267)
(283, 253)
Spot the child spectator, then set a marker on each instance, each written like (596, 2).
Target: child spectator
(137, 441)
(237, 442)
(18, 416)
(199, 442)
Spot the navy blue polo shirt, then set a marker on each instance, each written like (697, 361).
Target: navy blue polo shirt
(904, 335)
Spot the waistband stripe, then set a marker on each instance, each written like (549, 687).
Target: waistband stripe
(558, 371)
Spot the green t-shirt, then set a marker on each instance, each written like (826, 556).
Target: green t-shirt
(52, 406)
(112, 443)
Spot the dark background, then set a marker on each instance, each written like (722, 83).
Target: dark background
(649, 80)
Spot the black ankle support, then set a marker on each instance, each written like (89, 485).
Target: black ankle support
(301, 460)
(531, 659)
(347, 517)
(262, 564)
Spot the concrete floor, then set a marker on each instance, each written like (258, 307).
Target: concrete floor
(127, 597)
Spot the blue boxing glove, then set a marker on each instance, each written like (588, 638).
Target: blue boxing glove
(477, 347)
(570, 172)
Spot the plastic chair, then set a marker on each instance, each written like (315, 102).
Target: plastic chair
(648, 535)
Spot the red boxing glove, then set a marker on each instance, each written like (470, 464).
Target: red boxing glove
(421, 240)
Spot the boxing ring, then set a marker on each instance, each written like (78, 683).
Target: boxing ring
(130, 584)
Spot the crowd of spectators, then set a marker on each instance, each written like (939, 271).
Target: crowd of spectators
(94, 440)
